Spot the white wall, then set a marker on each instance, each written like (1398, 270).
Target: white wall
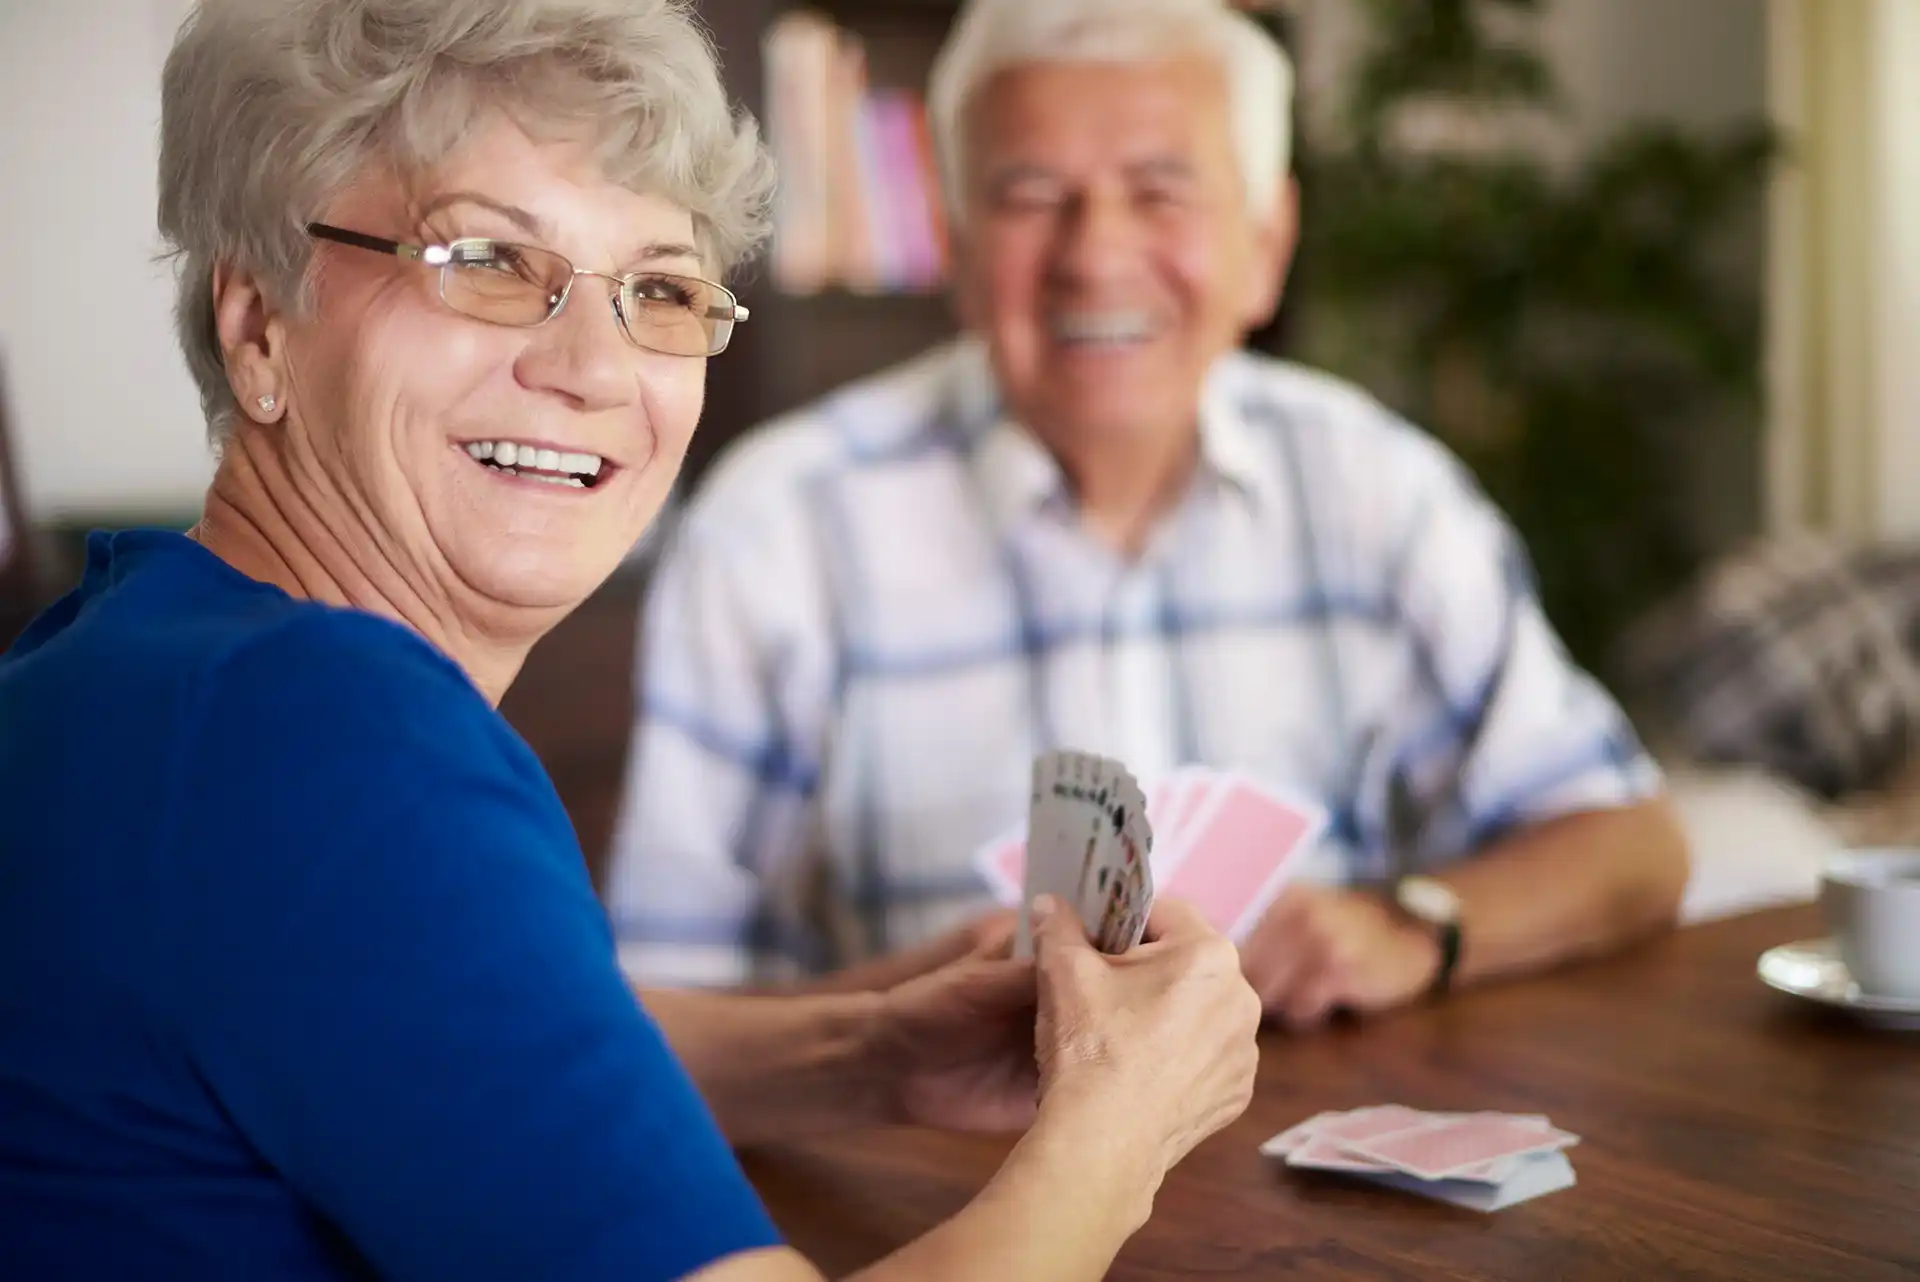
(105, 416)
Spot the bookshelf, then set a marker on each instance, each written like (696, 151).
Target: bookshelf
(800, 346)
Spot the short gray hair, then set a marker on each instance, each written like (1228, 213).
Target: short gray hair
(269, 108)
(994, 35)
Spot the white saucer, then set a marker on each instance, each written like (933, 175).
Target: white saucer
(1812, 969)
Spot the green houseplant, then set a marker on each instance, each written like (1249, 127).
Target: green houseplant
(1566, 329)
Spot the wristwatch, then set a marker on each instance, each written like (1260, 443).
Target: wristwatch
(1434, 905)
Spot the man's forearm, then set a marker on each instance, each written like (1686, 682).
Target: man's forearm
(777, 1068)
(1568, 888)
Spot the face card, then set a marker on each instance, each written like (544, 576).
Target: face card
(1436, 1151)
(1063, 829)
(1112, 882)
(1121, 888)
(1086, 845)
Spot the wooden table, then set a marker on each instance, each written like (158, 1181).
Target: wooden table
(1728, 1133)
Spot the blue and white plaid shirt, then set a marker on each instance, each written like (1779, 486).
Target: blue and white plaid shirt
(879, 609)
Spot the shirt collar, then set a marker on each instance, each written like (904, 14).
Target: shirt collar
(1017, 475)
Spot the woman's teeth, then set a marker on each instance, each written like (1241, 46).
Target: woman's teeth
(556, 467)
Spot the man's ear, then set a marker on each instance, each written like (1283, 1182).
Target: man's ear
(1274, 239)
(252, 343)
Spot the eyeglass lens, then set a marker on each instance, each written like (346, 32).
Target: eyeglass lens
(522, 285)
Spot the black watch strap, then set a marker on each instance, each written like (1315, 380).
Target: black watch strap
(1447, 936)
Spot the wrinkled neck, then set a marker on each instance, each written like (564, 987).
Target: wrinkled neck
(310, 543)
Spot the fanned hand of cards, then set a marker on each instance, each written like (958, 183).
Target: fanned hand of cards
(1224, 842)
(1087, 830)
(1482, 1161)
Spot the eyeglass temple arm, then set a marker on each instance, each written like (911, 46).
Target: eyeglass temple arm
(359, 240)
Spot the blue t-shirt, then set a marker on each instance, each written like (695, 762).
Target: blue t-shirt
(301, 974)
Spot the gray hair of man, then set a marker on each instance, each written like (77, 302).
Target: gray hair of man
(269, 108)
(995, 35)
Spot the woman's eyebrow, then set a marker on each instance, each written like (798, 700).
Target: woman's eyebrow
(664, 250)
(532, 224)
(537, 228)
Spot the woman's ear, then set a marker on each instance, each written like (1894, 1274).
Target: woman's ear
(252, 342)
(1274, 239)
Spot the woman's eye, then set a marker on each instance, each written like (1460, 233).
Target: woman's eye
(663, 289)
(505, 260)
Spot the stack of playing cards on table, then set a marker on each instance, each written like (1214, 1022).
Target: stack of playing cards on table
(1087, 830)
(1223, 841)
(1482, 1161)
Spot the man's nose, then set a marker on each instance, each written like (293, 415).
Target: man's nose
(1100, 236)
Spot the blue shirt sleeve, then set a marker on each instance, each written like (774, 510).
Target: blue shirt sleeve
(394, 976)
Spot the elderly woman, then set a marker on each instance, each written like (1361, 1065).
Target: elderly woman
(300, 972)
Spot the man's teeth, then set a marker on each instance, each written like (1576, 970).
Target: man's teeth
(510, 456)
(1102, 327)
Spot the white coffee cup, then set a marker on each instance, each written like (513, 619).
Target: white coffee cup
(1871, 901)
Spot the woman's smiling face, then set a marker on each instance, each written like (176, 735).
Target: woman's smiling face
(403, 410)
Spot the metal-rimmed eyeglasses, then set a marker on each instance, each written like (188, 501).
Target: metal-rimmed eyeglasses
(525, 286)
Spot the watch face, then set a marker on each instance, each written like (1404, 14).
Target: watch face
(1431, 901)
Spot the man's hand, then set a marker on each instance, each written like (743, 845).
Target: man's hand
(959, 1042)
(1320, 949)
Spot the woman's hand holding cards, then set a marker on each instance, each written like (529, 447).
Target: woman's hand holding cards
(1157, 1042)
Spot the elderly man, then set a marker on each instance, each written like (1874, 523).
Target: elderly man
(1093, 523)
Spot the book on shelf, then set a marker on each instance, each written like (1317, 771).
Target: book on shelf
(858, 205)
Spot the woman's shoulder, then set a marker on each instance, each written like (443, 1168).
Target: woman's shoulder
(330, 678)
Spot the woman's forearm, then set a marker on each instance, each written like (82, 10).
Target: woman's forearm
(1068, 1197)
(780, 1068)
(1060, 1208)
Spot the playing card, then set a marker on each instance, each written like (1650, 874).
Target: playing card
(1235, 855)
(1002, 864)
(1368, 1123)
(1183, 793)
(1087, 845)
(1532, 1176)
(1439, 1149)
(1060, 833)
(1121, 888)
(1358, 1145)
(1117, 882)
(1179, 793)
(1323, 1153)
(1294, 1136)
